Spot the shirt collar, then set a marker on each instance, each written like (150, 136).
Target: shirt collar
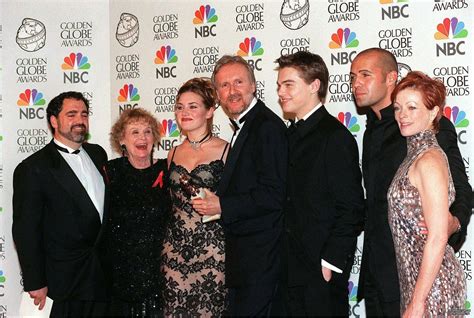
(57, 142)
(252, 104)
(311, 112)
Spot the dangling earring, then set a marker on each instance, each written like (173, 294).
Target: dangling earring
(151, 154)
(124, 150)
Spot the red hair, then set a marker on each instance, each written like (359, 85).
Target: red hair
(433, 92)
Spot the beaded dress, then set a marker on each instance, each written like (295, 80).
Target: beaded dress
(139, 209)
(193, 254)
(448, 292)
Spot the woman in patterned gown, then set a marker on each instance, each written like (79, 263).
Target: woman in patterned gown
(432, 280)
(193, 255)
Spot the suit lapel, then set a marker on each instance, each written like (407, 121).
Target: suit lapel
(310, 125)
(234, 152)
(66, 177)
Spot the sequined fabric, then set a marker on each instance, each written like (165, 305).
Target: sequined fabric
(139, 209)
(448, 292)
(193, 255)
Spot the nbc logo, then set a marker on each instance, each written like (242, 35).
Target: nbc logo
(170, 132)
(343, 38)
(394, 11)
(166, 55)
(458, 32)
(205, 16)
(354, 310)
(458, 118)
(73, 63)
(349, 121)
(31, 97)
(128, 94)
(251, 47)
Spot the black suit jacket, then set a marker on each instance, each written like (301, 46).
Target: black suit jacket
(251, 192)
(384, 149)
(56, 227)
(325, 200)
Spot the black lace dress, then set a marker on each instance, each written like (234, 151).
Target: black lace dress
(139, 209)
(193, 254)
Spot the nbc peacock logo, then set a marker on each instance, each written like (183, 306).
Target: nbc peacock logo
(205, 14)
(170, 133)
(30, 102)
(165, 55)
(349, 121)
(169, 128)
(250, 47)
(456, 116)
(450, 26)
(352, 291)
(75, 68)
(76, 61)
(128, 93)
(205, 19)
(31, 97)
(451, 32)
(343, 38)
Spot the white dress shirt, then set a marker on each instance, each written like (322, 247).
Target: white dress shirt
(87, 173)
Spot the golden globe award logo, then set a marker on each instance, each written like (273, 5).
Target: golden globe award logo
(128, 30)
(31, 35)
(294, 14)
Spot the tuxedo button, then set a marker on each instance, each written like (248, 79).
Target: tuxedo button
(288, 199)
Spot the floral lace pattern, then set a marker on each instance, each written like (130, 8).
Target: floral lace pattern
(193, 255)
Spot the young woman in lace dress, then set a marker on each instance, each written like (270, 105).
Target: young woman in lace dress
(431, 278)
(193, 255)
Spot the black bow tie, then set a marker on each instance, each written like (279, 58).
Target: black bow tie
(234, 123)
(296, 124)
(75, 152)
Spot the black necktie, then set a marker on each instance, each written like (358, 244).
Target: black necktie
(75, 152)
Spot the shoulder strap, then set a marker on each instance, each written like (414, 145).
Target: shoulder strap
(225, 149)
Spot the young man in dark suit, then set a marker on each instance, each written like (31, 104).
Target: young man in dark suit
(374, 74)
(251, 192)
(324, 202)
(58, 215)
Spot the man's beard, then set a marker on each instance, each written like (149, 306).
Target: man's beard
(75, 136)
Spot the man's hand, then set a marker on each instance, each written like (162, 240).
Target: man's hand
(210, 205)
(327, 273)
(39, 296)
(452, 228)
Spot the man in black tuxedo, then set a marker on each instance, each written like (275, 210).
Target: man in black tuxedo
(251, 191)
(374, 74)
(324, 205)
(58, 215)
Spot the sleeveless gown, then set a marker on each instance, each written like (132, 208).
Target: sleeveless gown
(193, 255)
(448, 292)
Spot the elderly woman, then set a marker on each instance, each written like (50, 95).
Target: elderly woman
(432, 280)
(139, 208)
(193, 255)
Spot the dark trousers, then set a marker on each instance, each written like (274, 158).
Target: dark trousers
(375, 305)
(253, 300)
(320, 298)
(78, 308)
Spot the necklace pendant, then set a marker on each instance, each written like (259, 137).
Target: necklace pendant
(195, 144)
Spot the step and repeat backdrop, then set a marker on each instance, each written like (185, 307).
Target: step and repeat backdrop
(125, 54)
